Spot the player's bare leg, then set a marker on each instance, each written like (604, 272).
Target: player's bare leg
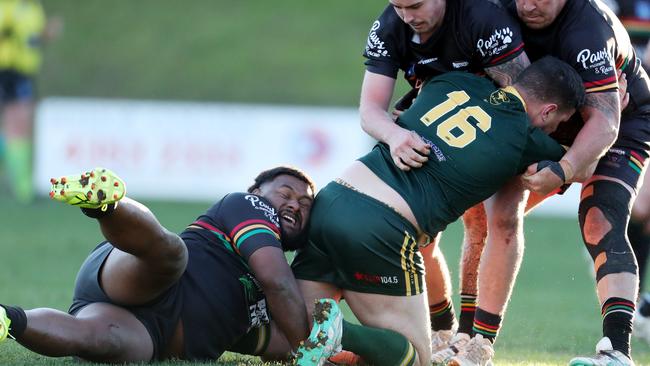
(147, 258)
(503, 254)
(405, 315)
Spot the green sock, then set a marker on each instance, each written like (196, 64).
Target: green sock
(377, 346)
(18, 161)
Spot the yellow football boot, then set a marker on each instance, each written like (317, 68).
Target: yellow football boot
(94, 189)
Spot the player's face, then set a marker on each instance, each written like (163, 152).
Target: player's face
(423, 16)
(293, 199)
(538, 14)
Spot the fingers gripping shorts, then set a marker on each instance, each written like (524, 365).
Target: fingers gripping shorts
(360, 244)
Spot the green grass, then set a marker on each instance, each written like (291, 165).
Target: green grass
(552, 317)
(279, 51)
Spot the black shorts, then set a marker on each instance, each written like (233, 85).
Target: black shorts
(15, 86)
(159, 316)
(626, 159)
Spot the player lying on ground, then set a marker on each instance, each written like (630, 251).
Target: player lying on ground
(368, 224)
(147, 294)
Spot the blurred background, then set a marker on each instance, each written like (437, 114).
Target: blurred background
(188, 100)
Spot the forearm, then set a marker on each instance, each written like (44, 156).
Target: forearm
(377, 123)
(288, 311)
(601, 114)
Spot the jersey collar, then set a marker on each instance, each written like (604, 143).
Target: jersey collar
(511, 90)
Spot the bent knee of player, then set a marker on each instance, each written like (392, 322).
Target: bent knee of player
(595, 226)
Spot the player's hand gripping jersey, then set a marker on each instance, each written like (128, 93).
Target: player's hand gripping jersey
(479, 136)
(474, 34)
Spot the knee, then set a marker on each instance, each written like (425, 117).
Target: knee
(603, 215)
(172, 255)
(101, 342)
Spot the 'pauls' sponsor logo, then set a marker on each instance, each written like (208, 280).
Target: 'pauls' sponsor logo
(375, 47)
(497, 42)
(601, 62)
(269, 211)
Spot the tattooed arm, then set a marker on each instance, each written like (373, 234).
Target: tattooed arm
(506, 72)
(602, 116)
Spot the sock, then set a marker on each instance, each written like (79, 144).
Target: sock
(442, 315)
(98, 213)
(486, 324)
(467, 311)
(18, 320)
(18, 161)
(644, 305)
(617, 322)
(377, 346)
(640, 242)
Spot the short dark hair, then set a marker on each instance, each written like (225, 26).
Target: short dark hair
(270, 174)
(552, 80)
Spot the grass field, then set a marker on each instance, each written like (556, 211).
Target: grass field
(552, 316)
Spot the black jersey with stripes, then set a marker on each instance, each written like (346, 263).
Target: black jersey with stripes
(588, 36)
(240, 223)
(222, 300)
(474, 35)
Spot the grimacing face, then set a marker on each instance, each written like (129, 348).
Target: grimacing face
(538, 14)
(423, 16)
(292, 198)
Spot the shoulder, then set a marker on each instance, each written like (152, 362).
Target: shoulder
(248, 206)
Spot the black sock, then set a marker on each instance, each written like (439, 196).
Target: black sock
(442, 316)
(18, 320)
(467, 311)
(486, 324)
(98, 213)
(617, 322)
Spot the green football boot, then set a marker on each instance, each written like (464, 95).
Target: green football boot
(94, 189)
(325, 338)
(5, 322)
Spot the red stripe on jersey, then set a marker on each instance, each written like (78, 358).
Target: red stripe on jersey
(497, 59)
(207, 226)
(609, 80)
(251, 222)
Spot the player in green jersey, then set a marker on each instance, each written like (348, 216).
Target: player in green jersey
(367, 225)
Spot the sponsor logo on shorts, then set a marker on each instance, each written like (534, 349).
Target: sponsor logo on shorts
(428, 60)
(269, 211)
(497, 42)
(600, 61)
(376, 279)
(459, 64)
(375, 47)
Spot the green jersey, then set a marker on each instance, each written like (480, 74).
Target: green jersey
(479, 136)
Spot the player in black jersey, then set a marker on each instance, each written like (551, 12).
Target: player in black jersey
(588, 36)
(424, 38)
(147, 294)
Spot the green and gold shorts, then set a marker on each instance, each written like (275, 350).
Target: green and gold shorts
(361, 244)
